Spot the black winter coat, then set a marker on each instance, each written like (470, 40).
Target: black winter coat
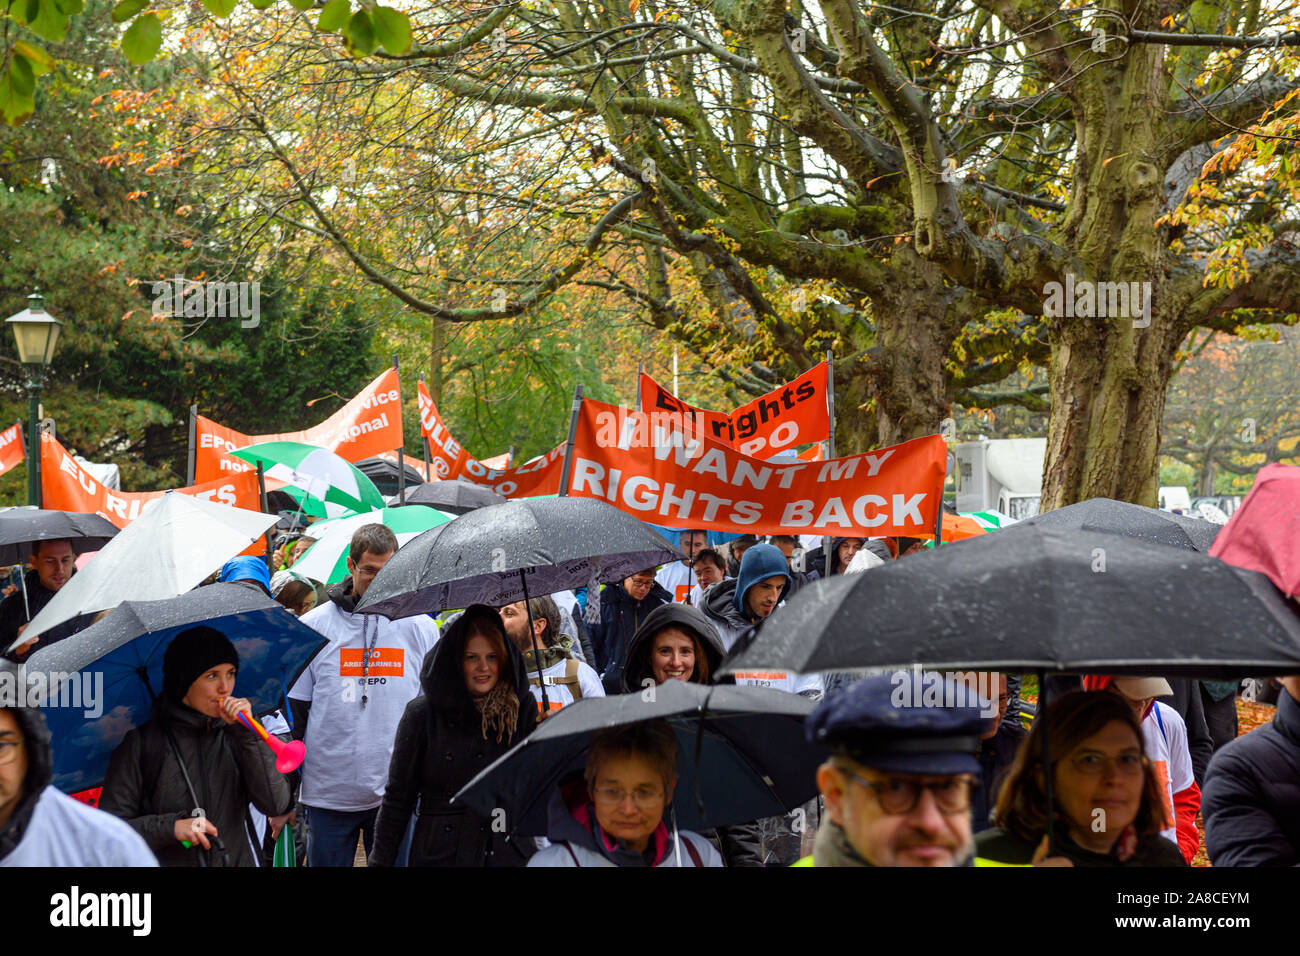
(1251, 803)
(439, 748)
(996, 756)
(229, 766)
(620, 617)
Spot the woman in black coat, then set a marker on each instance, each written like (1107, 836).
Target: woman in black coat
(476, 705)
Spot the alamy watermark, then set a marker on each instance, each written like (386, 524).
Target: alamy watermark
(186, 298)
(918, 688)
(84, 689)
(1085, 299)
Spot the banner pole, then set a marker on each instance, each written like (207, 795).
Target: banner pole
(938, 519)
(401, 476)
(261, 497)
(830, 448)
(638, 386)
(424, 440)
(568, 445)
(193, 443)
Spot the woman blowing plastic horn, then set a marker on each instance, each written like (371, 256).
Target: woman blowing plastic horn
(188, 775)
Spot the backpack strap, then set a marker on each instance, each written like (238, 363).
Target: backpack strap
(571, 678)
(694, 853)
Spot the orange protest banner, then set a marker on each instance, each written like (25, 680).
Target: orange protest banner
(11, 447)
(665, 470)
(449, 460)
(369, 424)
(794, 414)
(66, 486)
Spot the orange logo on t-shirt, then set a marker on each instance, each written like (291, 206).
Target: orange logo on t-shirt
(683, 593)
(384, 662)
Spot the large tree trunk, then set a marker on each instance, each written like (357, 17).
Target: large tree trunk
(1108, 398)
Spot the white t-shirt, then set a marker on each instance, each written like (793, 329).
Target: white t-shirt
(1170, 757)
(677, 579)
(783, 680)
(558, 695)
(349, 746)
(67, 832)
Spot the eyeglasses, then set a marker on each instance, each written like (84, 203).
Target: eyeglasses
(9, 751)
(645, 798)
(898, 795)
(1095, 764)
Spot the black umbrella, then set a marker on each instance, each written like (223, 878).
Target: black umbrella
(1129, 520)
(741, 755)
(455, 496)
(498, 555)
(386, 477)
(1038, 599)
(20, 528)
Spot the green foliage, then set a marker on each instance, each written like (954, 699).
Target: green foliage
(142, 39)
(334, 16)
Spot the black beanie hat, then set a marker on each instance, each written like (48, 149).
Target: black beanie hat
(190, 655)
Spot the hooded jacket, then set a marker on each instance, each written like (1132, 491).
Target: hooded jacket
(229, 766)
(1164, 739)
(578, 840)
(620, 618)
(1252, 794)
(683, 616)
(724, 603)
(49, 828)
(439, 748)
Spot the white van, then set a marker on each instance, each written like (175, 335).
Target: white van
(1175, 498)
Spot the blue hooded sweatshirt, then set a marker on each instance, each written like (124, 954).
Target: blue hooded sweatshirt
(760, 562)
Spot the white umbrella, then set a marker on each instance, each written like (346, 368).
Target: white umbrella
(175, 543)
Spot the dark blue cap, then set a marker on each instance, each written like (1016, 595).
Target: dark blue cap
(904, 722)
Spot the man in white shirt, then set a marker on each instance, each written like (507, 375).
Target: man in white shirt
(678, 578)
(348, 700)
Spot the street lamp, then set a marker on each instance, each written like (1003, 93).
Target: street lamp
(37, 333)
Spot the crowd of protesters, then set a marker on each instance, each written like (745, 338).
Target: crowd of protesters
(399, 715)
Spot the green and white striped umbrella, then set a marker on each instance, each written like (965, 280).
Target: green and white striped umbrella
(322, 474)
(990, 520)
(327, 559)
(314, 507)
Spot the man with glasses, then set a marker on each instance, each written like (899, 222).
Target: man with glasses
(347, 702)
(623, 606)
(39, 825)
(899, 781)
